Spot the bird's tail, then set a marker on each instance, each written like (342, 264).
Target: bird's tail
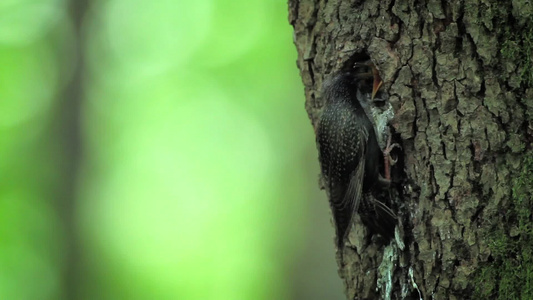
(377, 216)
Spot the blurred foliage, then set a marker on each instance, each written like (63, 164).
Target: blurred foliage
(197, 176)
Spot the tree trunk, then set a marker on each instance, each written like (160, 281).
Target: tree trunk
(69, 126)
(458, 75)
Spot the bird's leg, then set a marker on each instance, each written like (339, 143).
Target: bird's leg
(388, 161)
(383, 182)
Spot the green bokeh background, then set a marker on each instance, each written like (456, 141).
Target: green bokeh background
(196, 177)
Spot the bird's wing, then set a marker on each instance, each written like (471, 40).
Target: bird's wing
(355, 186)
(351, 197)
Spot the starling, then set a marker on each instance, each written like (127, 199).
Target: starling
(380, 112)
(349, 152)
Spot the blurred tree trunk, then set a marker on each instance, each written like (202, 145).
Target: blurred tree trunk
(459, 75)
(69, 131)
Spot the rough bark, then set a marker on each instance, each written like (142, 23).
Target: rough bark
(458, 74)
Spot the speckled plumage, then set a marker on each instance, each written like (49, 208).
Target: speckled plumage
(349, 153)
(380, 115)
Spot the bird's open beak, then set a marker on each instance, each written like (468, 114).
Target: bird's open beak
(374, 74)
(377, 81)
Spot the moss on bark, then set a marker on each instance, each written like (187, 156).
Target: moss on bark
(508, 274)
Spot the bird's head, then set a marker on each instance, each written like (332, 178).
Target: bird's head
(368, 76)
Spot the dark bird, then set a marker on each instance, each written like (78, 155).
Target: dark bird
(349, 152)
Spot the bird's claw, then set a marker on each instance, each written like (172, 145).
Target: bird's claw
(387, 157)
(391, 147)
(388, 150)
